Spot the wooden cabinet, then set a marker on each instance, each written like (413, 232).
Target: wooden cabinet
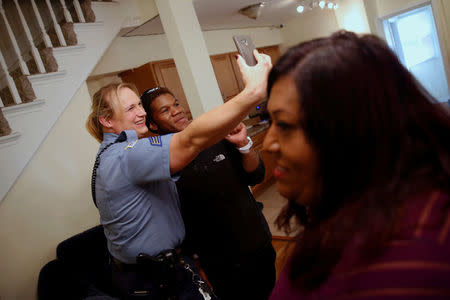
(143, 77)
(272, 51)
(160, 73)
(269, 163)
(236, 70)
(164, 73)
(167, 76)
(225, 76)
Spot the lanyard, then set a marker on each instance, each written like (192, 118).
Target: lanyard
(121, 138)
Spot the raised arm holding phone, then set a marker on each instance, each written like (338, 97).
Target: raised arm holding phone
(225, 226)
(134, 188)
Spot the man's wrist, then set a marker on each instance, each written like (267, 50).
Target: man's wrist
(246, 148)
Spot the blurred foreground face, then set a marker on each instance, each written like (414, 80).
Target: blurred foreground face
(167, 115)
(295, 161)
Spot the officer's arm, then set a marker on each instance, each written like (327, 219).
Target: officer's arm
(212, 126)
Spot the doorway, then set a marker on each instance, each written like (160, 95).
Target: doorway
(412, 36)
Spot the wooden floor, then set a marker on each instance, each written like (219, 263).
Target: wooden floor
(283, 247)
(273, 202)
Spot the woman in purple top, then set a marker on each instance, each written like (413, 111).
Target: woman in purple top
(362, 153)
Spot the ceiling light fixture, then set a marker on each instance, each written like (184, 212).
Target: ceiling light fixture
(252, 11)
(306, 5)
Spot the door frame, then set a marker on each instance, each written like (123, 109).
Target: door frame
(441, 31)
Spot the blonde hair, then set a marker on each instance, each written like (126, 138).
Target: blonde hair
(105, 102)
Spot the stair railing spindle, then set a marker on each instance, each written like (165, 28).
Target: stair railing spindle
(47, 41)
(67, 15)
(79, 11)
(55, 24)
(34, 50)
(22, 64)
(11, 84)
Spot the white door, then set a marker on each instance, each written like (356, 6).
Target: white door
(412, 35)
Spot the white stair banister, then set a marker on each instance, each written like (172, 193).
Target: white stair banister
(22, 64)
(11, 84)
(47, 41)
(67, 15)
(34, 50)
(79, 11)
(56, 25)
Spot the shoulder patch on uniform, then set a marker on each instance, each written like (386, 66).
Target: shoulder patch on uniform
(130, 145)
(155, 141)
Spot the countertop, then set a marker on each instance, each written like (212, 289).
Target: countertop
(253, 130)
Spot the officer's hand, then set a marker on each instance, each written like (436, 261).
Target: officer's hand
(238, 136)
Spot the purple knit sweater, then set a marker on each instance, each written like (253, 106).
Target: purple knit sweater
(415, 265)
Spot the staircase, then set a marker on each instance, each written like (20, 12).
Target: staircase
(25, 123)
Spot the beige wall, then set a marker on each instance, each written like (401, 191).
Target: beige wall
(139, 12)
(443, 13)
(51, 199)
(312, 24)
(49, 202)
(387, 7)
(95, 83)
(351, 16)
(130, 52)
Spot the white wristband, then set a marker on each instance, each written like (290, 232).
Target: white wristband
(246, 148)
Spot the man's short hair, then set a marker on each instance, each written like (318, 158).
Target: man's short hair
(147, 99)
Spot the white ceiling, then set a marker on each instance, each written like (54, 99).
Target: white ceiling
(223, 14)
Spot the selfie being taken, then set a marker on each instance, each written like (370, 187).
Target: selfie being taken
(207, 149)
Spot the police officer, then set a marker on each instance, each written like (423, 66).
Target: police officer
(134, 184)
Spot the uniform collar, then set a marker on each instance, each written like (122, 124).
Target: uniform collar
(126, 135)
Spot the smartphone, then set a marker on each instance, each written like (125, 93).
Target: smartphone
(245, 47)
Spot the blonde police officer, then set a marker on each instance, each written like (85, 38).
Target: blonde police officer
(133, 182)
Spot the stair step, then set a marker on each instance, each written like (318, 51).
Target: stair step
(68, 56)
(9, 139)
(22, 108)
(78, 27)
(57, 89)
(103, 3)
(47, 77)
(69, 50)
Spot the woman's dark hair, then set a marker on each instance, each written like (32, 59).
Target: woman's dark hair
(379, 138)
(147, 99)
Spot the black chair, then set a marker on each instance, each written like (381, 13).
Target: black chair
(80, 270)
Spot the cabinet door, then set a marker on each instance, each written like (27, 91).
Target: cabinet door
(272, 51)
(225, 76)
(143, 77)
(236, 70)
(167, 76)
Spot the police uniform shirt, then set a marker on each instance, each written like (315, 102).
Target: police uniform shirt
(137, 197)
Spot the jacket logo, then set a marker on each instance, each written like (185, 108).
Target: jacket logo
(219, 157)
